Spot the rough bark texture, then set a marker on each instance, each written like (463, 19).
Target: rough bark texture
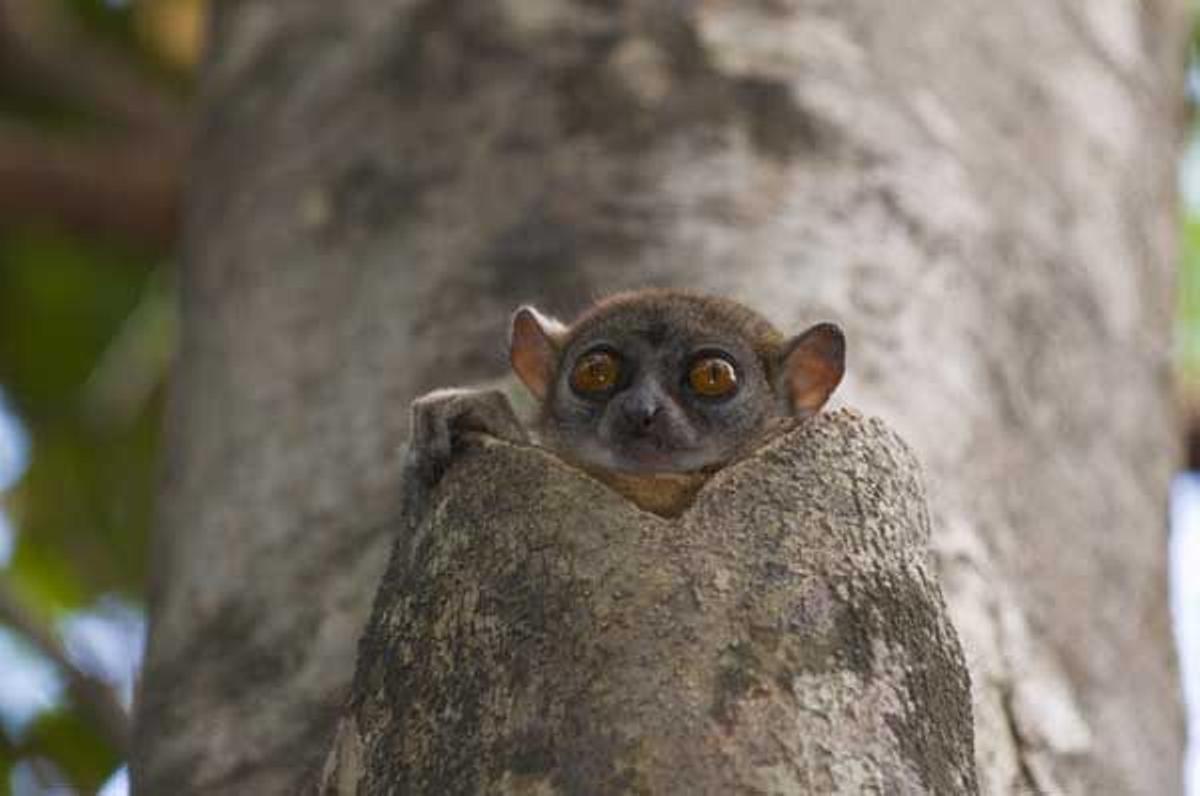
(980, 192)
(539, 634)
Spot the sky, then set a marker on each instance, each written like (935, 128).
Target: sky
(1185, 606)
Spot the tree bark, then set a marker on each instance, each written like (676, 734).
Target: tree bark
(981, 193)
(539, 634)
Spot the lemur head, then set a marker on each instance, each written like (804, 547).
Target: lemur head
(664, 381)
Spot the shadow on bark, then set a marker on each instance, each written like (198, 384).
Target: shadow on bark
(536, 633)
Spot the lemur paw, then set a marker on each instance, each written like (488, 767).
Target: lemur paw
(439, 418)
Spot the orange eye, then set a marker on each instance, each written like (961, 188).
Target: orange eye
(596, 372)
(713, 377)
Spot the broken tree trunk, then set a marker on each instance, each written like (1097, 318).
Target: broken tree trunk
(536, 633)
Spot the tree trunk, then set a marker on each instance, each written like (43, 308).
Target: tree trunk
(981, 193)
(539, 634)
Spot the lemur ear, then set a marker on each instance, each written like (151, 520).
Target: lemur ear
(812, 368)
(533, 349)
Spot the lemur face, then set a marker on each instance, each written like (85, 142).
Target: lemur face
(640, 395)
(667, 382)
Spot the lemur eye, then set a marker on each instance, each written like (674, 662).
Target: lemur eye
(596, 372)
(713, 377)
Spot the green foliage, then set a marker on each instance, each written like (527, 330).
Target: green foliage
(1188, 302)
(85, 335)
(110, 20)
(66, 310)
(8, 757)
(60, 301)
(1187, 297)
(86, 332)
(82, 755)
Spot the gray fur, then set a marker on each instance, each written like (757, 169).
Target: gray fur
(652, 421)
(658, 335)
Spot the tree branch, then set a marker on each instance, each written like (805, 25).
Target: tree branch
(92, 695)
(130, 188)
(41, 48)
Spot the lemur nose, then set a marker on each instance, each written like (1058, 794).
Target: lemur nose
(642, 416)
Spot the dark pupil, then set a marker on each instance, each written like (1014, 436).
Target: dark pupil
(596, 372)
(714, 374)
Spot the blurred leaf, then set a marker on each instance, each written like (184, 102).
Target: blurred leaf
(45, 579)
(61, 300)
(109, 19)
(174, 29)
(30, 104)
(83, 755)
(165, 36)
(83, 511)
(85, 334)
(8, 757)
(1188, 302)
(136, 360)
